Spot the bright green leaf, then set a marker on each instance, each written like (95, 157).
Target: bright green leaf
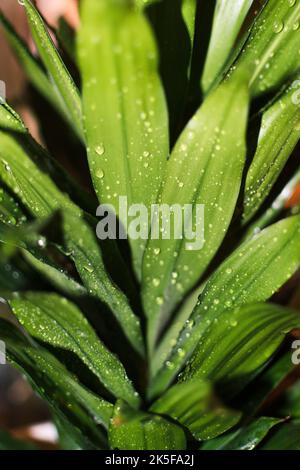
(56, 321)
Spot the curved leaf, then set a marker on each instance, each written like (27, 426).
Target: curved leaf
(194, 406)
(39, 194)
(9, 119)
(52, 381)
(279, 134)
(245, 438)
(232, 351)
(56, 321)
(62, 81)
(125, 113)
(205, 168)
(287, 437)
(228, 19)
(33, 69)
(252, 273)
(270, 54)
(135, 430)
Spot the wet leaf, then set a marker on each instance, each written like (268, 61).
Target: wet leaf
(125, 113)
(194, 406)
(136, 430)
(253, 273)
(204, 171)
(55, 320)
(245, 438)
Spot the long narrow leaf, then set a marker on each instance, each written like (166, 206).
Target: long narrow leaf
(124, 107)
(205, 168)
(252, 273)
(135, 430)
(62, 80)
(228, 19)
(56, 321)
(279, 134)
(194, 406)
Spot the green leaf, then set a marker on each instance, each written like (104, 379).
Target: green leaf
(228, 19)
(54, 320)
(253, 273)
(257, 394)
(33, 187)
(87, 412)
(33, 69)
(135, 430)
(205, 168)
(270, 53)
(84, 249)
(173, 22)
(231, 352)
(7, 442)
(277, 208)
(287, 437)
(62, 81)
(279, 134)
(9, 119)
(290, 401)
(194, 406)
(10, 210)
(124, 107)
(245, 438)
(39, 194)
(33, 248)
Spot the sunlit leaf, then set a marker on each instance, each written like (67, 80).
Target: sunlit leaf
(205, 168)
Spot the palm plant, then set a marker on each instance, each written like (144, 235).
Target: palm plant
(150, 345)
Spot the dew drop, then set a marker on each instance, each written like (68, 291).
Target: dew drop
(100, 150)
(278, 26)
(100, 173)
(155, 282)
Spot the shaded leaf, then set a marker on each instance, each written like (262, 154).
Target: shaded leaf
(194, 406)
(135, 430)
(33, 69)
(39, 194)
(279, 134)
(205, 168)
(272, 256)
(53, 382)
(270, 52)
(7, 442)
(56, 321)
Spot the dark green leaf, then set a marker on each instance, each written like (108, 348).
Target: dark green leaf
(194, 406)
(63, 83)
(270, 54)
(245, 438)
(56, 321)
(228, 19)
